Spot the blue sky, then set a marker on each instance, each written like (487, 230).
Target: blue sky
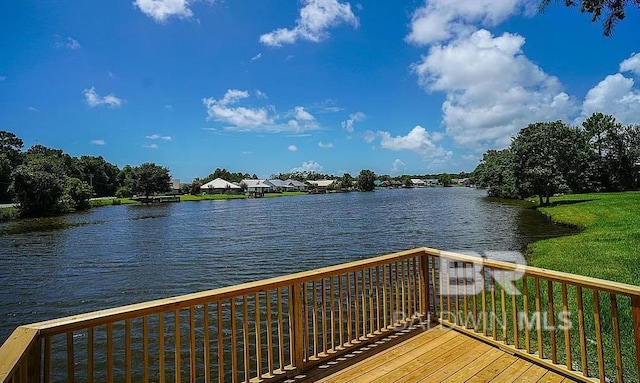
(334, 86)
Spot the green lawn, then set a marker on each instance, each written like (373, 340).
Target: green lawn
(609, 246)
(8, 213)
(110, 201)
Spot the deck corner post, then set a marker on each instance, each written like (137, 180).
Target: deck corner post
(298, 326)
(424, 285)
(635, 313)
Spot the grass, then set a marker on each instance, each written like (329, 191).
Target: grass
(110, 202)
(608, 247)
(8, 213)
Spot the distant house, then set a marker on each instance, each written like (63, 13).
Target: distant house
(258, 187)
(395, 184)
(432, 182)
(379, 184)
(297, 185)
(417, 182)
(174, 184)
(280, 185)
(220, 186)
(320, 186)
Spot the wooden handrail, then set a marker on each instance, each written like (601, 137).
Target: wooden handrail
(313, 315)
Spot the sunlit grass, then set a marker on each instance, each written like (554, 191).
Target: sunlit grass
(609, 245)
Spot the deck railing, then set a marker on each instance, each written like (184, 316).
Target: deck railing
(270, 329)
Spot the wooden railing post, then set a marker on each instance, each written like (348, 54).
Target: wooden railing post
(424, 285)
(298, 326)
(635, 313)
(34, 372)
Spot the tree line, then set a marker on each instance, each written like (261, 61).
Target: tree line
(546, 158)
(45, 181)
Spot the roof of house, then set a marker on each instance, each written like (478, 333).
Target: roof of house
(279, 183)
(417, 181)
(322, 183)
(263, 184)
(219, 183)
(295, 183)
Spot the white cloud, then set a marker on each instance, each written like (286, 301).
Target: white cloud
(93, 99)
(614, 95)
(152, 146)
(98, 142)
(303, 115)
(168, 107)
(308, 166)
(69, 43)
(256, 57)
(32, 109)
(325, 146)
(442, 20)
(418, 140)
(159, 137)
(316, 17)
(111, 75)
(261, 94)
(256, 119)
(397, 165)
(292, 148)
(247, 152)
(241, 118)
(2, 78)
(369, 136)
(489, 100)
(632, 64)
(353, 118)
(161, 10)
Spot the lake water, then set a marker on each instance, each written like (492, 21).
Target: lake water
(118, 255)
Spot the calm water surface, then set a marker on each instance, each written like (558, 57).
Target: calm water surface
(119, 255)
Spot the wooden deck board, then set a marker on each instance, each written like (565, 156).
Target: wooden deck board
(435, 355)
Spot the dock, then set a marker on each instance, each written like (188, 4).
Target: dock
(421, 315)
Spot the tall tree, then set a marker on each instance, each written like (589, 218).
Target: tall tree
(366, 180)
(150, 178)
(496, 172)
(613, 10)
(547, 159)
(10, 158)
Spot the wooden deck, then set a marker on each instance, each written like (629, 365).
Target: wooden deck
(435, 355)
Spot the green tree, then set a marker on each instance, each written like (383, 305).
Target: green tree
(150, 178)
(444, 179)
(10, 158)
(613, 10)
(496, 173)
(346, 181)
(77, 194)
(36, 191)
(365, 180)
(100, 174)
(548, 158)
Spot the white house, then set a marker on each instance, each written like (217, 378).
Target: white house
(258, 186)
(219, 186)
(297, 185)
(281, 185)
(417, 182)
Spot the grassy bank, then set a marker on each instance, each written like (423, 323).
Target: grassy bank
(110, 202)
(284, 194)
(609, 245)
(8, 213)
(607, 248)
